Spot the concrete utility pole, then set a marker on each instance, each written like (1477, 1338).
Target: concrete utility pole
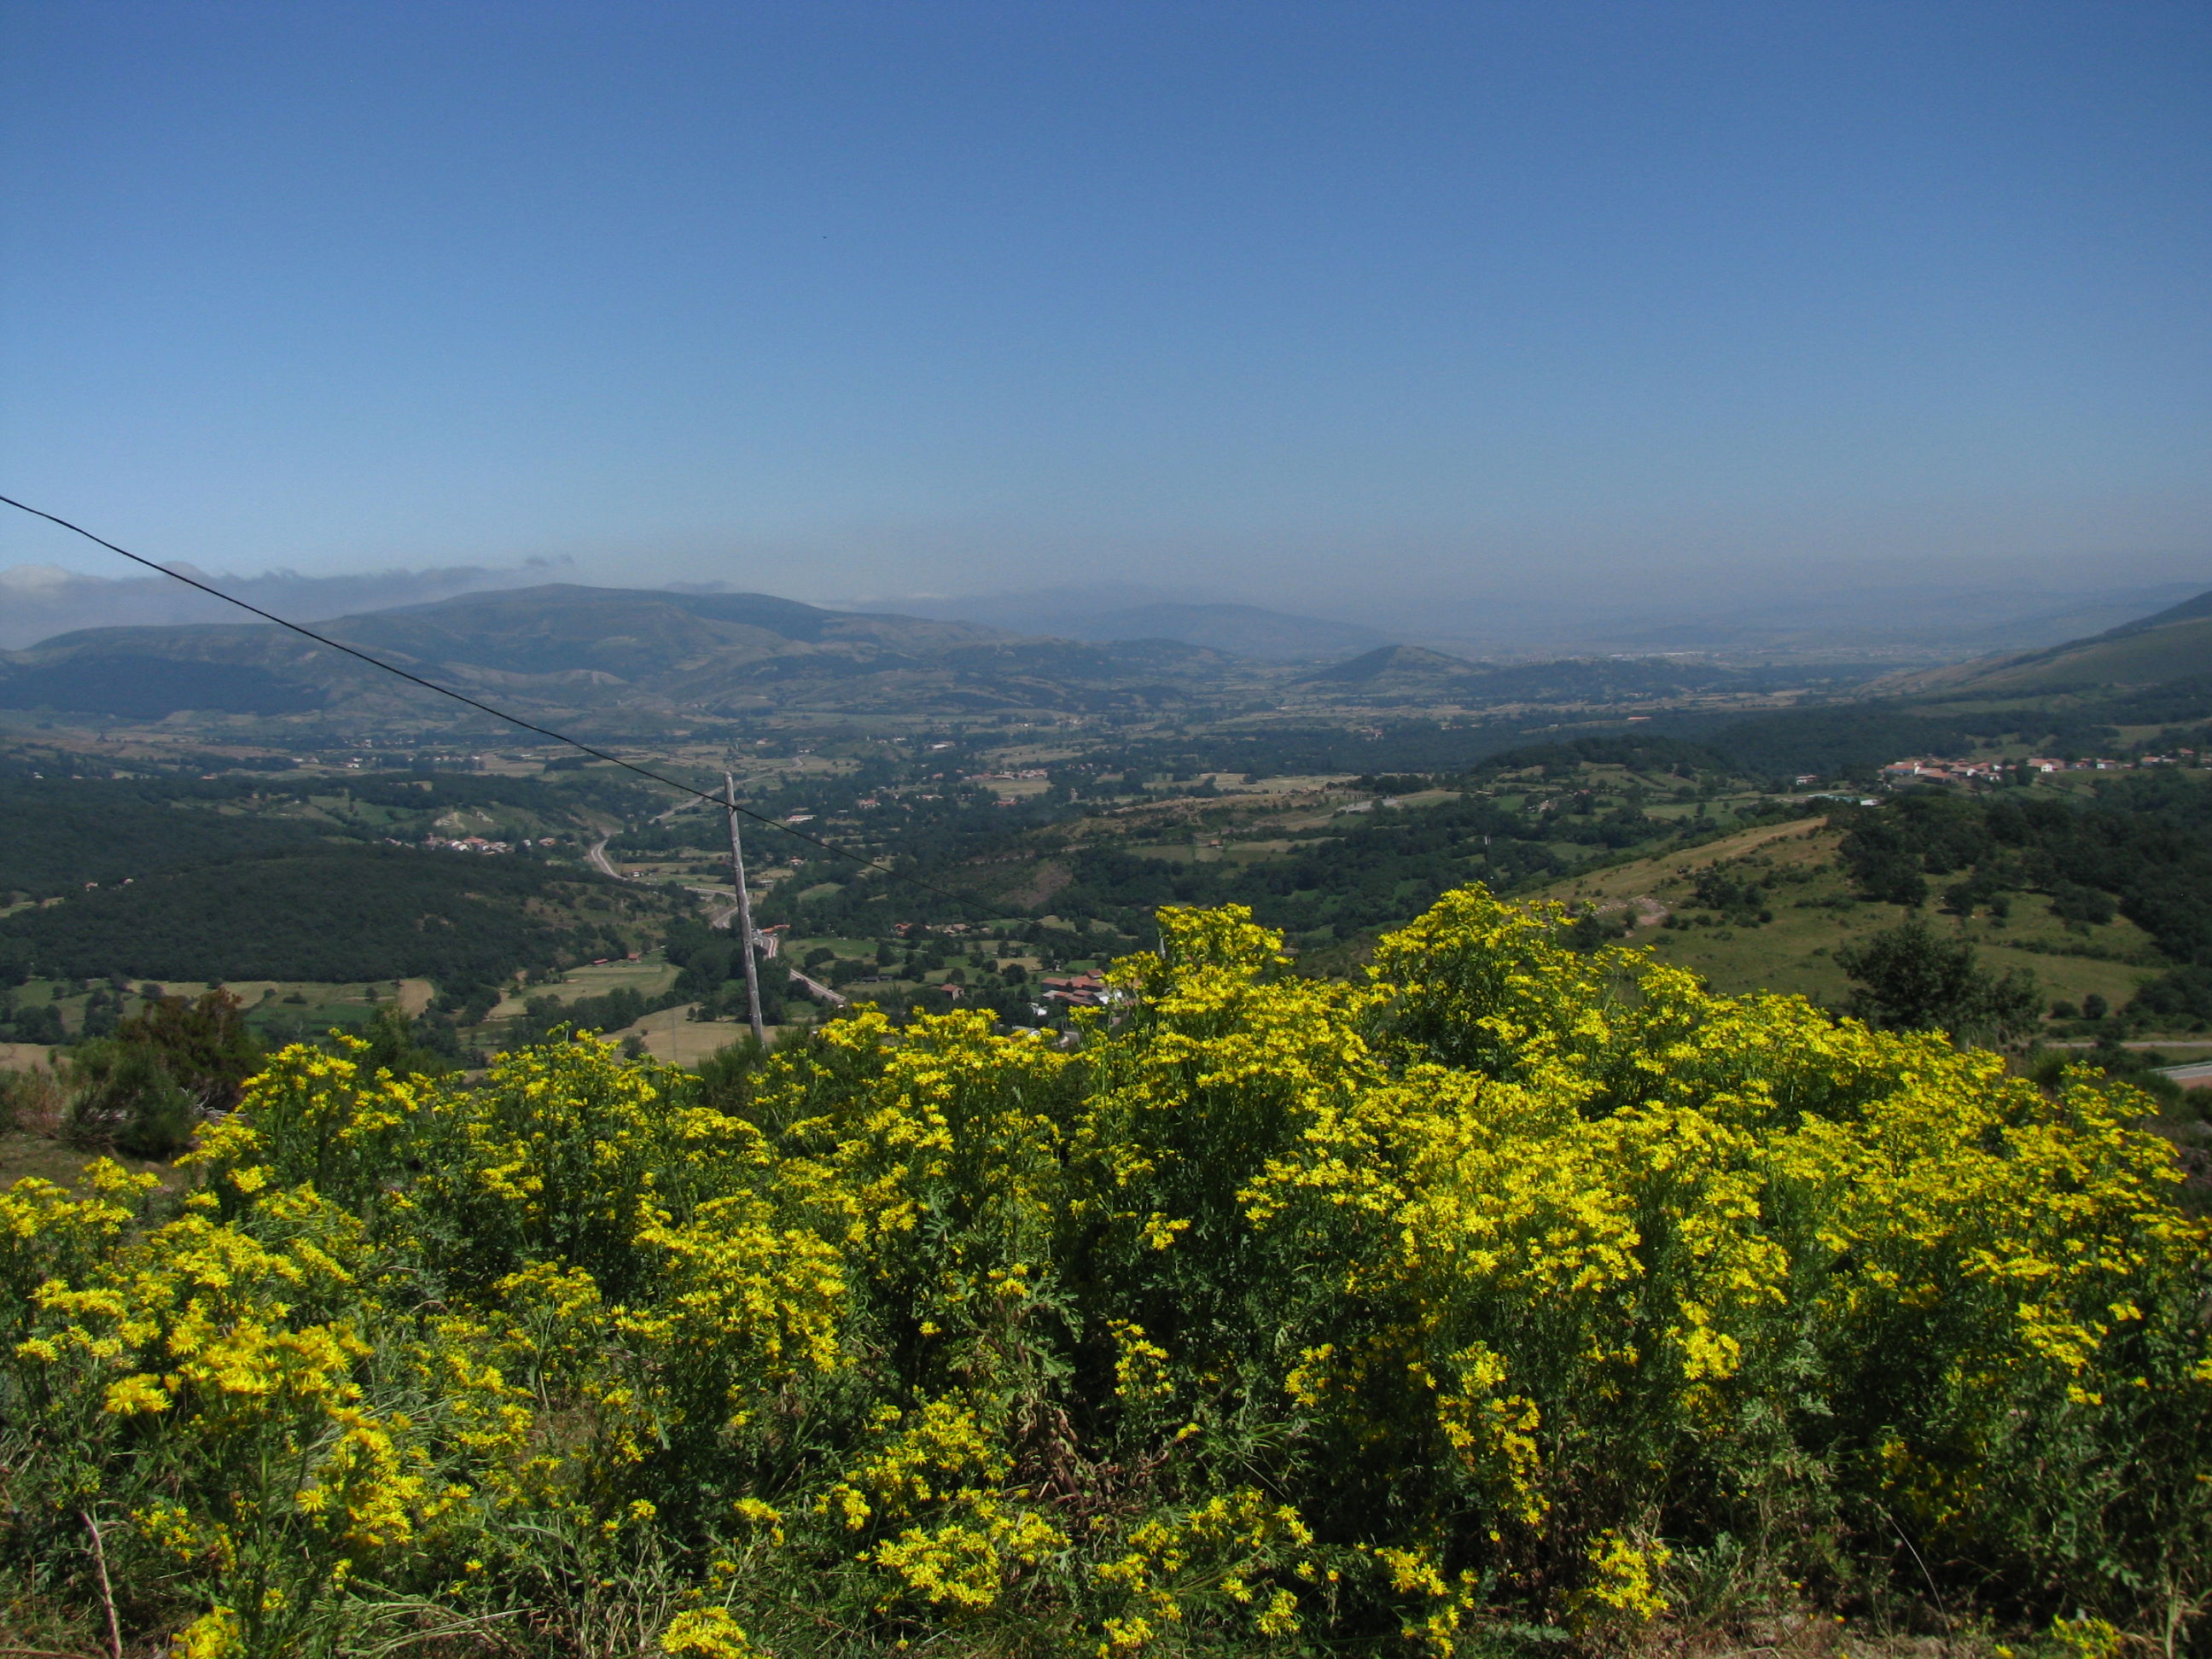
(744, 909)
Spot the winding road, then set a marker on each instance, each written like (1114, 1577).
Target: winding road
(723, 913)
(815, 988)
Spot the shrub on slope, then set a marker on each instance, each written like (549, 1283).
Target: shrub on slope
(1516, 1288)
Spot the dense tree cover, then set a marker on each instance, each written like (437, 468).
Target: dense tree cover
(1638, 751)
(610, 1011)
(332, 913)
(602, 791)
(1853, 739)
(57, 835)
(1514, 1297)
(1368, 870)
(24, 1019)
(1393, 743)
(1380, 869)
(142, 687)
(2141, 845)
(712, 973)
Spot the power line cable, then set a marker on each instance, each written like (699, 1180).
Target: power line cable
(729, 804)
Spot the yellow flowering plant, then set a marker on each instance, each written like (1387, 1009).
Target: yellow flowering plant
(1491, 1291)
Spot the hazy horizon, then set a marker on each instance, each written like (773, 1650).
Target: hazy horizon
(40, 602)
(1401, 311)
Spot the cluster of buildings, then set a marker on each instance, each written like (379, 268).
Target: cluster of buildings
(1931, 768)
(476, 844)
(1085, 990)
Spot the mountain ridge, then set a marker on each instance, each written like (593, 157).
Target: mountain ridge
(567, 647)
(2172, 644)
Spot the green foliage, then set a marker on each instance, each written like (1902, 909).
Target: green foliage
(404, 1046)
(1856, 739)
(147, 687)
(30, 1022)
(1910, 978)
(2137, 1067)
(57, 837)
(123, 1098)
(142, 1090)
(713, 973)
(1640, 752)
(203, 1043)
(608, 1011)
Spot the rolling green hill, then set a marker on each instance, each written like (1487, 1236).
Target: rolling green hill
(2106, 894)
(2174, 644)
(1809, 898)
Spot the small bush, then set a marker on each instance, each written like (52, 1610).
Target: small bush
(32, 1102)
(125, 1100)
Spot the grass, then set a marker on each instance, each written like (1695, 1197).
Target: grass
(26, 1155)
(648, 977)
(312, 1005)
(1796, 952)
(672, 1034)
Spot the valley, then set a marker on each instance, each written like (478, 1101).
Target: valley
(948, 814)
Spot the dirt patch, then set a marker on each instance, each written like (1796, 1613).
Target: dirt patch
(1051, 876)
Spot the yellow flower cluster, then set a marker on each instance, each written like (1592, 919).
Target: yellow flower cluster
(1275, 1305)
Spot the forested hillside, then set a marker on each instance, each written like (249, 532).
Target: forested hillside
(275, 878)
(354, 913)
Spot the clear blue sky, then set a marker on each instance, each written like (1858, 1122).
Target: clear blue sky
(1310, 302)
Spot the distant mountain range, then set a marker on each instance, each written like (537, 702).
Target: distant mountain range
(1927, 623)
(647, 653)
(39, 601)
(1940, 621)
(653, 656)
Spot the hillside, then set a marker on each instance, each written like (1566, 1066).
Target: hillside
(1395, 668)
(2105, 894)
(1809, 894)
(640, 659)
(296, 877)
(329, 913)
(2173, 644)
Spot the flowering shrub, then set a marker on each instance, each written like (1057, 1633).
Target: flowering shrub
(1511, 1287)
